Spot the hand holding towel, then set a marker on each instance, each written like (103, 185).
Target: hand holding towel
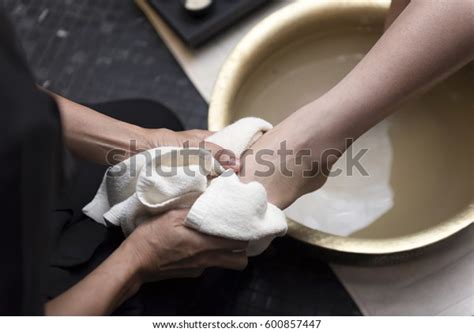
(157, 180)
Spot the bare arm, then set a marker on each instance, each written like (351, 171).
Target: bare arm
(97, 137)
(91, 135)
(428, 41)
(162, 248)
(396, 7)
(103, 290)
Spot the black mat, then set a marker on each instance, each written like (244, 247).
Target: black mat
(98, 50)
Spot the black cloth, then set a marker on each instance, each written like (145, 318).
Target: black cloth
(32, 153)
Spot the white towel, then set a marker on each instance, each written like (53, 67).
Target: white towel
(157, 180)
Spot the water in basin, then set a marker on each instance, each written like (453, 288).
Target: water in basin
(420, 159)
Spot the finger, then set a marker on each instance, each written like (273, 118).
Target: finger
(189, 273)
(194, 273)
(224, 259)
(214, 258)
(225, 157)
(209, 242)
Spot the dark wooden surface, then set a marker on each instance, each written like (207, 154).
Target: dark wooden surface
(102, 50)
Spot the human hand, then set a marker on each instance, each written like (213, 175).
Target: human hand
(291, 160)
(165, 248)
(189, 138)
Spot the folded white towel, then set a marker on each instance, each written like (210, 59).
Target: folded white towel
(157, 180)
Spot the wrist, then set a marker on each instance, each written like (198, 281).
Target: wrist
(321, 130)
(139, 139)
(131, 267)
(154, 137)
(143, 259)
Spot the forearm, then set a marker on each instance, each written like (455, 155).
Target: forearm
(94, 136)
(103, 290)
(396, 7)
(427, 42)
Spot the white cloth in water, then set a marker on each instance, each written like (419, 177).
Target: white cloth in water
(165, 178)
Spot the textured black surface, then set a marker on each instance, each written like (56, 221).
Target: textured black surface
(282, 281)
(197, 30)
(98, 50)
